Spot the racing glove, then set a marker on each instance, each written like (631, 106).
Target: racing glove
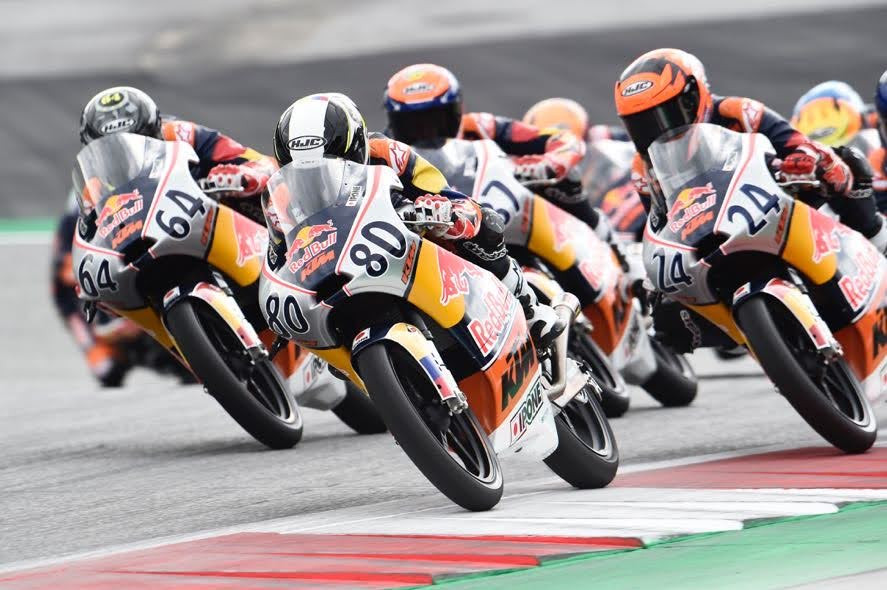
(449, 219)
(863, 173)
(811, 161)
(555, 180)
(235, 180)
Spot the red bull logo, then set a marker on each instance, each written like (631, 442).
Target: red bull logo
(307, 242)
(117, 209)
(252, 239)
(454, 276)
(824, 230)
(689, 203)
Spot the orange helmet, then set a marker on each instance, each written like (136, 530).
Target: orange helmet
(424, 102)
(559, 112)
(662, 90)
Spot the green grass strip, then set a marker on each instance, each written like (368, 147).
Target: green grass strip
(34, 224)
(769, 554)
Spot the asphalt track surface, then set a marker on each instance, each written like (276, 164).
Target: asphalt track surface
(83, 468)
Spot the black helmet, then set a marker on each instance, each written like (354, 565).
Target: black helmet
(424, 103)
(324, 125)
(118, 109)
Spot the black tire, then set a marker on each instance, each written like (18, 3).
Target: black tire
(674, 384)
(615, 398)
(395, 393)
(586, 456)
(358, 412)
(260, 403)
(836, 407)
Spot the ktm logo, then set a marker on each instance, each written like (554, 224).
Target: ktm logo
(636, 87)
(306, 142)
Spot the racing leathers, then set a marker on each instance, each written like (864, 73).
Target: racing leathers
(233, 173)
(475, 233)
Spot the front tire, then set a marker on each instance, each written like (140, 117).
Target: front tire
(252, 392)
(614, 395)
(834, 405)
(674, 384)
(586, 456)
(459, 461)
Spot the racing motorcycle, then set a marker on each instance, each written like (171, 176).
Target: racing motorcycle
(153, 248)
(560, 252)
(440, 345)
(805, 294)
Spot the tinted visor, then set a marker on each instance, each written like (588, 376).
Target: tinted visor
(425, 124)
(645, 127)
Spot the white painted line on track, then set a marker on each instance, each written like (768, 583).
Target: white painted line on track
(816, 501)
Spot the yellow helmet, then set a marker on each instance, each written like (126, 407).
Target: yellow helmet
(830, 113)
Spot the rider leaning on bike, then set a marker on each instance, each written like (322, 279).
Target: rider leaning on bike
(475, 233)
(234, 173)
(666, 89)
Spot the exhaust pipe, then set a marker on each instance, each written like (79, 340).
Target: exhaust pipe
(566, 306)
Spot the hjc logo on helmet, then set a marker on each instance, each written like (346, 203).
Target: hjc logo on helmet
(306, 142)
(117, 125)
(418, 88)
(636, 87)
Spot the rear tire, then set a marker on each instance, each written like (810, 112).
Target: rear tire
(674, 384)
(394, 393)
(837, 408)
(586, 456)
(614, 397)
(261, 404)
(357, 411)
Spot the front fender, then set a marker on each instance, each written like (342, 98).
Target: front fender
(798, 304)
(411, 339)
(223, 304)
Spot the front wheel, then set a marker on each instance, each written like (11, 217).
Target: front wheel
(452, 451)
(674, 384)
(586, 456)
(828, 396)
(614, 395)
(251, 391)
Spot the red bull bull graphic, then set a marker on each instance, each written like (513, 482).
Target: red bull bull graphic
(824, 230)
(116, 210)
(454, 276)
(689, 203)
(252, 240)
(306, 242)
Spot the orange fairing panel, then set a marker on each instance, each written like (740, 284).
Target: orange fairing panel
(551, 233)
(238, 245)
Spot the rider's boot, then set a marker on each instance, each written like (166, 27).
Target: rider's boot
(544, 324)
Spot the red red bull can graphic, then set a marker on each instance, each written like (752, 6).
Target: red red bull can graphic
(824, 230)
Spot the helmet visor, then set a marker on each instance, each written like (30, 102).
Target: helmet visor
(645, 127)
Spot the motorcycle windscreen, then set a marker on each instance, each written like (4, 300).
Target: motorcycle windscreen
(307, 207)
(115, 178)
(693, 166)
(606, 165)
